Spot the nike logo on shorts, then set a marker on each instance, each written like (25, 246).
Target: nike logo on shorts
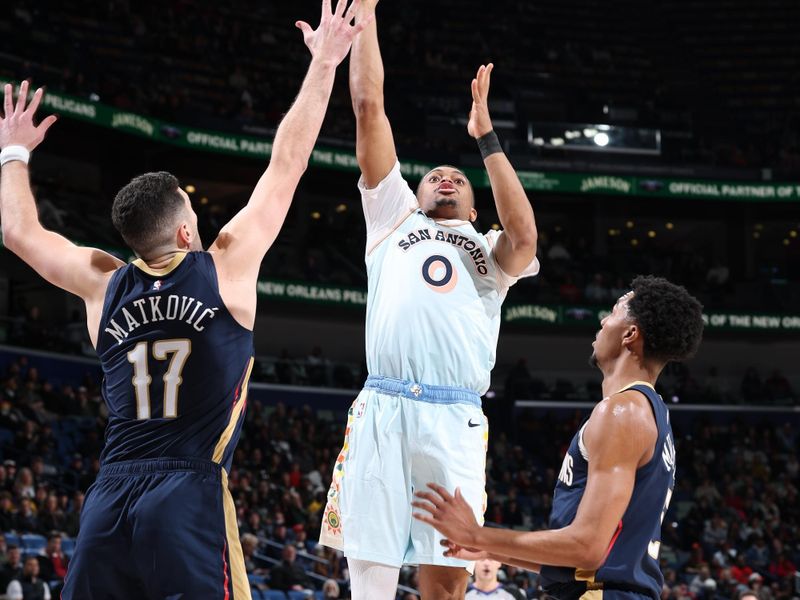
(471, 424)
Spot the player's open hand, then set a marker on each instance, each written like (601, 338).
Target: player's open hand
(16, 124)
(451, 515)
(479, 121)
(331, 41)
(453, 550)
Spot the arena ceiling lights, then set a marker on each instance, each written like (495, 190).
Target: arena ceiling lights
(584, 137)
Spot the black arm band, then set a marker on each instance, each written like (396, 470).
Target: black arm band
(489, 144)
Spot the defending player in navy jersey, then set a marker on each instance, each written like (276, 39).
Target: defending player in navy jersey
(617, 478)
(173, 331)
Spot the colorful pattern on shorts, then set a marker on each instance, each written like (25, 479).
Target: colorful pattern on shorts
(331, 530)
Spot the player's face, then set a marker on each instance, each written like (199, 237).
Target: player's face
(191, 222)
(445, 193)
(608, 342)
(486, 570)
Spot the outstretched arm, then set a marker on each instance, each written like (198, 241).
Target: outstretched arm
(620, 435)
(374, 141)
(516, 246)
(242, 243)
(81, 271)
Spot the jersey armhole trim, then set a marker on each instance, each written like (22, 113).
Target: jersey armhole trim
(631, 387)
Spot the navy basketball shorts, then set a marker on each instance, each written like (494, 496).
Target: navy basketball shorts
(158, 529)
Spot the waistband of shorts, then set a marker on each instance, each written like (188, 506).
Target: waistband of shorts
(434, 394)
(573, 590)
(158, 465)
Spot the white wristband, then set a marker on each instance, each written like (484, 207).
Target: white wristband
(10, 153)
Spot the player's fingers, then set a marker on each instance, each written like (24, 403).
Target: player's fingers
(441, 491)
(8, 102)
(363, 24)
(488, 75)
(305, 28)
(476, 96)
(37, 97)
(351, 12)
(22, 99)
(340, 6)
(46, 123)
(424, 518)
(432, 498)
(427, 506)
(326, 8)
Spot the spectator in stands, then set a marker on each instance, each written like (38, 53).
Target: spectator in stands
(781, 567)
(29, 586)
(716, 532)
(330, 589)
(289, 575)
(741, 572)
(249, 548)
(24, 486)
(72, 519)
(26, 517)
(758, 555)
(13, 567)
(748, 594)
(53, 562)
(51, 517)
(8, 512)
(596, 291)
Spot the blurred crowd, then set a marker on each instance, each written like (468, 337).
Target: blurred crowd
(579, 66)
(733, 525)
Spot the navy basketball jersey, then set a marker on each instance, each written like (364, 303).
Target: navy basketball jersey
(175, 362)
(631, 562)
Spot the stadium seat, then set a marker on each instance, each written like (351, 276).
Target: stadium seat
(273, 595)
(12, 539)
(68, 546)
(32, 543)
(6, 436)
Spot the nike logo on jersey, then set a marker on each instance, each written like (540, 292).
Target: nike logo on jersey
(471, 424)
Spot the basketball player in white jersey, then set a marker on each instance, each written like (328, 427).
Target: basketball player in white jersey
(436, 286)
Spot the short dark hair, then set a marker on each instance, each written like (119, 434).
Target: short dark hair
(145, 210)
(670, 318)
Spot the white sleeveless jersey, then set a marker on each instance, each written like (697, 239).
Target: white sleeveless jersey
(435, 292)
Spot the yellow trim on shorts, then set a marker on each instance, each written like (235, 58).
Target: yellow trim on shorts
(225, 438)
(584, 575)
(592, 595)
(171, 265)
(241, 586)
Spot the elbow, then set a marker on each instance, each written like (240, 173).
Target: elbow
(589, 558)
(366, 106)
(11, 238)
(524, 242)
(294, 165)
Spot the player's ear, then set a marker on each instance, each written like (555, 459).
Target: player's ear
(185, 235)
(473, 214)
(631, 335)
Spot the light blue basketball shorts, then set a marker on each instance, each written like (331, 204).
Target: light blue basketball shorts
(400, 435)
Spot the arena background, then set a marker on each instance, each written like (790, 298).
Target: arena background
(657, 137)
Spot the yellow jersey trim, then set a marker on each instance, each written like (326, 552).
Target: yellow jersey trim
(171, 266)
(630, 385)
(225, 438)
(241, 586)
